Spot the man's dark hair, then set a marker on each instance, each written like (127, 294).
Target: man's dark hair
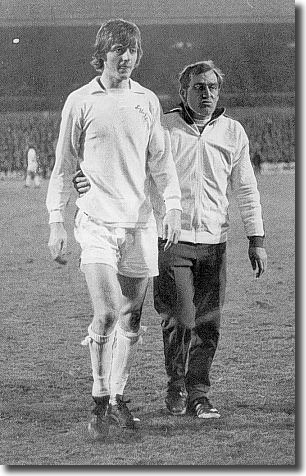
(111, 32)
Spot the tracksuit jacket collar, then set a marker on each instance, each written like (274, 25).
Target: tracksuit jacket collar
(183, 110)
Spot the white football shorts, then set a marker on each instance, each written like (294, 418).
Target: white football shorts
(132, 252)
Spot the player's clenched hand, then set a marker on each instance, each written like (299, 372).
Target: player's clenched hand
(81, 183)
(259, 260)
(172, 227)
(58, 242)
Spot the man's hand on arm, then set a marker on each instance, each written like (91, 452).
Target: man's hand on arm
(58, 242)
(172, 227)
(81, 183)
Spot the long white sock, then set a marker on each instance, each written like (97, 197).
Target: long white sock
(125, 348)
(101, 350)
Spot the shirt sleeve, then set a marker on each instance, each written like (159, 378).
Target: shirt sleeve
(161, 163)
(244, 186)
(66, 160)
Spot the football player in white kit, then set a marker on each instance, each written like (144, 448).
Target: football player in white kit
(111, 126)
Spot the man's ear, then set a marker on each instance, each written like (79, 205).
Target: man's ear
(183, 94)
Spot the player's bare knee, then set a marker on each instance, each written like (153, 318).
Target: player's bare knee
(130, 322)
(104, 324)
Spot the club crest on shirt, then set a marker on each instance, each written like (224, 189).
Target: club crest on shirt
(143, 113)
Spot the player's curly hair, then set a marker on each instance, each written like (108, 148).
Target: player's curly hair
(198, 68)
(112, 32)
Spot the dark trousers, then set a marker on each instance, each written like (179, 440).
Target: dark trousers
(189, 295)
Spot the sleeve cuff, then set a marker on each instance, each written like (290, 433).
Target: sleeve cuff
(256, 241)
(56, 216)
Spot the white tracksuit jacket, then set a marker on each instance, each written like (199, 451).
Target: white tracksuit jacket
(207, 165)
(117, 139)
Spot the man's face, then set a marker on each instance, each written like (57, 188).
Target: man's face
(202, 94)
(120, 62)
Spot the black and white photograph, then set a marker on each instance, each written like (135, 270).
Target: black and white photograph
(147, 210)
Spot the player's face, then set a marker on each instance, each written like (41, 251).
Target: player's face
(120, 62)
(202, 94)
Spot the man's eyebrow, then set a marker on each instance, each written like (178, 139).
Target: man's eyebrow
(206, 82)
(120, 45)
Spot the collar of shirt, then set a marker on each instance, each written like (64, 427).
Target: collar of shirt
(96, 87)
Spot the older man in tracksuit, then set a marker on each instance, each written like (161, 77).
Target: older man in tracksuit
(211, 153)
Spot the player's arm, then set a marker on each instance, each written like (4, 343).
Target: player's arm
(164, 174)
(60, 186)
(58, 242)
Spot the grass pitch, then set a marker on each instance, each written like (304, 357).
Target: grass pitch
(46, 382)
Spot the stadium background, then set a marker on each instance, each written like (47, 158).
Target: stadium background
(47, 47)
(253, 42)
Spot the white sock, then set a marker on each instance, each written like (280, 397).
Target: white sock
(125, 348)
(101, 349)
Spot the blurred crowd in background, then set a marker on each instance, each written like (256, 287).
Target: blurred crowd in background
(271, 134)
(41, 65)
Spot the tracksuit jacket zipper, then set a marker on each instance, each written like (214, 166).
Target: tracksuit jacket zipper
(200, 189)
